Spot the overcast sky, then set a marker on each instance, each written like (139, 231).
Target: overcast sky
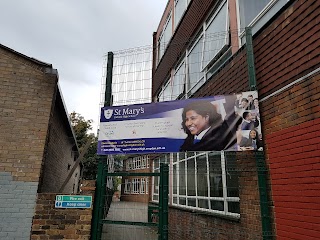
(73, 36)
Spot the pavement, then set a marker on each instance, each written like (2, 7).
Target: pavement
(128, 211)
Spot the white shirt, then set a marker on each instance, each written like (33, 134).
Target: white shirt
(200, 135)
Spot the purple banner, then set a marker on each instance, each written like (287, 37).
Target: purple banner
(230, 123)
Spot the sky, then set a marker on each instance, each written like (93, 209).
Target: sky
(74, 35)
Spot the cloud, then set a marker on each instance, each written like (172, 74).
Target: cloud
(74, 35)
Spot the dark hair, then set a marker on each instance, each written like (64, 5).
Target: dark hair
(203, 108)
(258, 141)
(245, 114)
(244, 99)
(257, 135)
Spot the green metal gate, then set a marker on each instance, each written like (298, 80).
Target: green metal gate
(103, 200)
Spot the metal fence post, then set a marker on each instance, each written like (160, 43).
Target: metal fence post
(259, 156)
(165, 207)
(97, 201)
(163, 201)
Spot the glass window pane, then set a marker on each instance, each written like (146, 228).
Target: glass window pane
(216, 35)
(234, 207)
(175, 200)
(215, 175)
(167, 92)
(249, 9)
(180, 7)
(182, 201)
(217, 205)
(182, 178)
(178, 82)
(174, 176)
(156, 185)
(232, 176)
(194, 64)
(174, 157)
(192, 202)
(202, 181)
(182, 155)
(191, 186)
(190, 154)
(203, 203)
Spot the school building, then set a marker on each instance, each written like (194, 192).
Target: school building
(220, 47)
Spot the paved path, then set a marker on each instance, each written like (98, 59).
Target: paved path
(128, 211)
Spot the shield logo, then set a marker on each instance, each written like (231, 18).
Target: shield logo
(108, 113)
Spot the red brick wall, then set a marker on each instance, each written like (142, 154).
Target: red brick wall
(186, 224)
(286, 50)
(293, 148)
(289, 47)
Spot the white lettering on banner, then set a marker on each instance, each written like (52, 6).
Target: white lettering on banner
(146, 128)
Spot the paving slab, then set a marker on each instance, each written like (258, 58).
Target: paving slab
(128, 211)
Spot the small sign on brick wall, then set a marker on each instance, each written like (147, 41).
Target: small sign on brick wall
(73, 201)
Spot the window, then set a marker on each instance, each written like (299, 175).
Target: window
(179, 8)
(142, 186)
(139, 162)
(179, 81)
(135, 186)
(256, 13)
(194, 63)
(216, 36)
(209, 45)
(206, 181)
(212, 39)
(127, 186)
(165, 158)
(165, 37)
(166, 94)
(249, 9)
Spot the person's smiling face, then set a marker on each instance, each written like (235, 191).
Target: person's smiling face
(195, 122)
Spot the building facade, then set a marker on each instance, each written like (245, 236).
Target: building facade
(203, 48)
(37, 144)
(136, 188)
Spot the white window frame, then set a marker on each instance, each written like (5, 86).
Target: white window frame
(127, 186)
(142, 186)
(135, 186)
(189, 88)
(164, 158)
(261, 19)
(165, 37)
(225, 198)
(183, 9)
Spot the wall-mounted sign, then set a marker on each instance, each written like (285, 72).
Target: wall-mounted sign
(73, 201)
(230, 123)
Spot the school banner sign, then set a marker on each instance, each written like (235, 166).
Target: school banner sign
(230, 123)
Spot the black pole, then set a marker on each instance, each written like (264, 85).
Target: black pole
(108, 91)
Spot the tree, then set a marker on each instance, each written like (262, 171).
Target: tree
(81, 128)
